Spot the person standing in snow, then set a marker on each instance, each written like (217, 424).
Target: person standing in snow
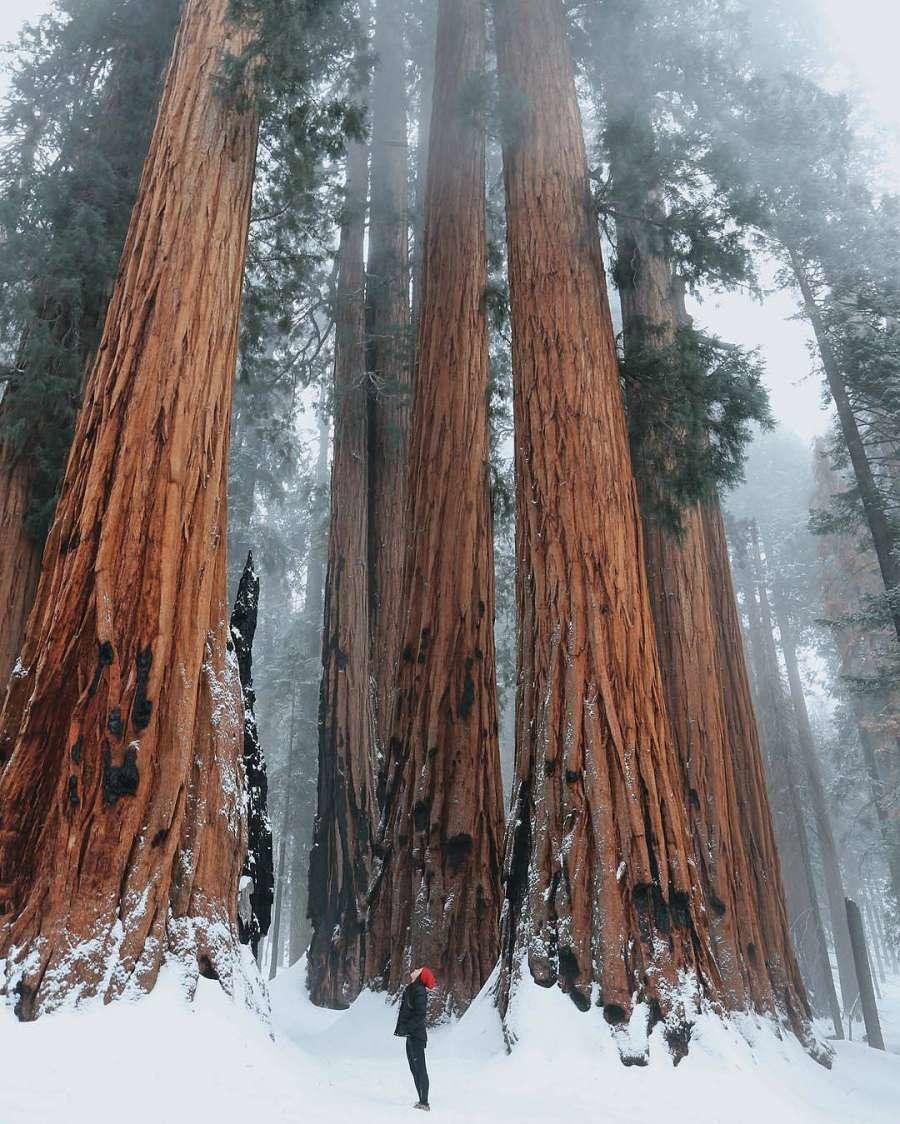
(411, 1026)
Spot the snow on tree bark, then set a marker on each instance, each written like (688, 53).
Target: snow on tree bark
(720, 761)
(436, 897)
(600, 886)
(254, 923)
(121, 828)
(341, 855)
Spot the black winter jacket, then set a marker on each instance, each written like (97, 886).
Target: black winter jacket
(413, 1007)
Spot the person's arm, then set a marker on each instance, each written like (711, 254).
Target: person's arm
(420, 1001)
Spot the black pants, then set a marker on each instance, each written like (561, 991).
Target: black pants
(415, 1055)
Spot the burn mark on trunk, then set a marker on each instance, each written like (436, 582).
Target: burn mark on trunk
(114, 723)
(142, 707)
(72, 792)
(119, 780)
(458, 850)
(468, 696)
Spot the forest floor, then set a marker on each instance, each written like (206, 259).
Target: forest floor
(159, 1060)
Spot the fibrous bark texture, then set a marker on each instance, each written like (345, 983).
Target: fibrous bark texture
(782, 780)
(255, 905)
(387, 297)
(437, 896)
(340, 860)
(600, 885)
(721, 766)
(121, 829)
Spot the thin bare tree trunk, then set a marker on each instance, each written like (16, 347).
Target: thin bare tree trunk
(437, 898)
(121, 802)
(864, 975)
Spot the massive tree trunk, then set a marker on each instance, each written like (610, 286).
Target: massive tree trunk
(776, 950)
(834, 883)
(437, 900)
(340, 860)
(885, 539)
(387, 295)
(600, 882)
(717, 760)
(782, 779)
(121, 825)
(20, 558)
(258, 874)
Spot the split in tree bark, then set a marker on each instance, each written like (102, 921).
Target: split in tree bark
(121, 827)
(255, 918)
(436, 897)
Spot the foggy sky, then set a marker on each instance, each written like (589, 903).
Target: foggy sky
(862, 37)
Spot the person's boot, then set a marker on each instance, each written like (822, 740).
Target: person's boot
(423, 1106)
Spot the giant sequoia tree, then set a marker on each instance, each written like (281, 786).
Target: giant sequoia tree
(689, 401)
(340, 860)
(600, 887)
(436, 898)
(121, 799)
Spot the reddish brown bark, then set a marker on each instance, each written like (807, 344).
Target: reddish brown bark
(807, 930)
(775, 950)
(600, 886)
(121, 832)
(437, 900)
(20, 559)
(721, 766)
(387, 295)
(340, 860)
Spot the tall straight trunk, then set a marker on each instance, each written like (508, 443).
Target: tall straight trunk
(437, 898)
(776, 949)
(304, 714)
(277, 938)
(600, 882)
(831, 867)
(341, 856)
(784, 788)
(685, 603)
(121, 802)
(387, 296)
(20, 558)
(885, 539)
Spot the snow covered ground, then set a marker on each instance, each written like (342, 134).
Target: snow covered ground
(158, 1060)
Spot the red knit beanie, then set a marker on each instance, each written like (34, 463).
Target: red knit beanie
(427, 978)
